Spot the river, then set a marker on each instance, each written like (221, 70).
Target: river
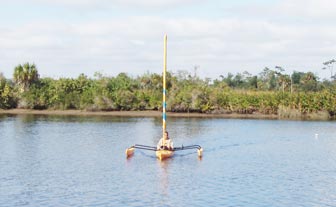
(80, 161)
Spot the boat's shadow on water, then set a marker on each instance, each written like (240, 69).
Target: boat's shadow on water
(176, 154)
(146, 154)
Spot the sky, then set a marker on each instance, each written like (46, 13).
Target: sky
(65, 38)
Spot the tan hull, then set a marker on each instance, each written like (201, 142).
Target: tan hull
(164, 154)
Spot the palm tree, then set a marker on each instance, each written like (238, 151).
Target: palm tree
(25, 75)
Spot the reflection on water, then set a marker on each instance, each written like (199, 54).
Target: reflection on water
(163, 176)
(80, 161)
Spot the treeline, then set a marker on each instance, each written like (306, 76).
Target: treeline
(270, 92)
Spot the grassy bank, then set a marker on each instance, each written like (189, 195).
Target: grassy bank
(287, 116)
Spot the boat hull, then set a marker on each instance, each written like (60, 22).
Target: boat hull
(164, 154)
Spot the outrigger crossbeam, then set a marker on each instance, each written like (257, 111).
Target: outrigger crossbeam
(130, 150)
(144, 147)
(198, 147)
(187, 147)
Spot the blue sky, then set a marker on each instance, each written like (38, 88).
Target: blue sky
(67, 37)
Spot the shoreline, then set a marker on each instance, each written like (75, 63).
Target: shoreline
(151, 113)
(133, 114)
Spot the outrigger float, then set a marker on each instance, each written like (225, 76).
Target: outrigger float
(162, 154)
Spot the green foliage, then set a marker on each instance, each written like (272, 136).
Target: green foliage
(38, 96)
(271, 92)
(7, 97)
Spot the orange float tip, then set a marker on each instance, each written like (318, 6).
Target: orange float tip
(129, 151)
(200, 152)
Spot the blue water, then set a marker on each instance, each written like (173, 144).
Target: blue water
(80, 161)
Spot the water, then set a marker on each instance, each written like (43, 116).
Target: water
(80, 161)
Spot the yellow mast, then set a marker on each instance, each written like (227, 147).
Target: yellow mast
(164, 104)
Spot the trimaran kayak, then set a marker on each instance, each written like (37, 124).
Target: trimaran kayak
(162, 154)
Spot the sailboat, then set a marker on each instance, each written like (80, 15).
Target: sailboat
(162, 154)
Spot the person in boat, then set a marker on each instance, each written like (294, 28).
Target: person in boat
(165, 143)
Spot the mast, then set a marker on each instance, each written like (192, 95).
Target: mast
(164, 104)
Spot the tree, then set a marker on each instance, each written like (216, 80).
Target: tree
(25, 75)
(330, 65)
(7, 99)
(296, 77)
(251, 82)
(229, 80)
(309, 82)
(282, 79)
(268, 78)
(238, 80)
